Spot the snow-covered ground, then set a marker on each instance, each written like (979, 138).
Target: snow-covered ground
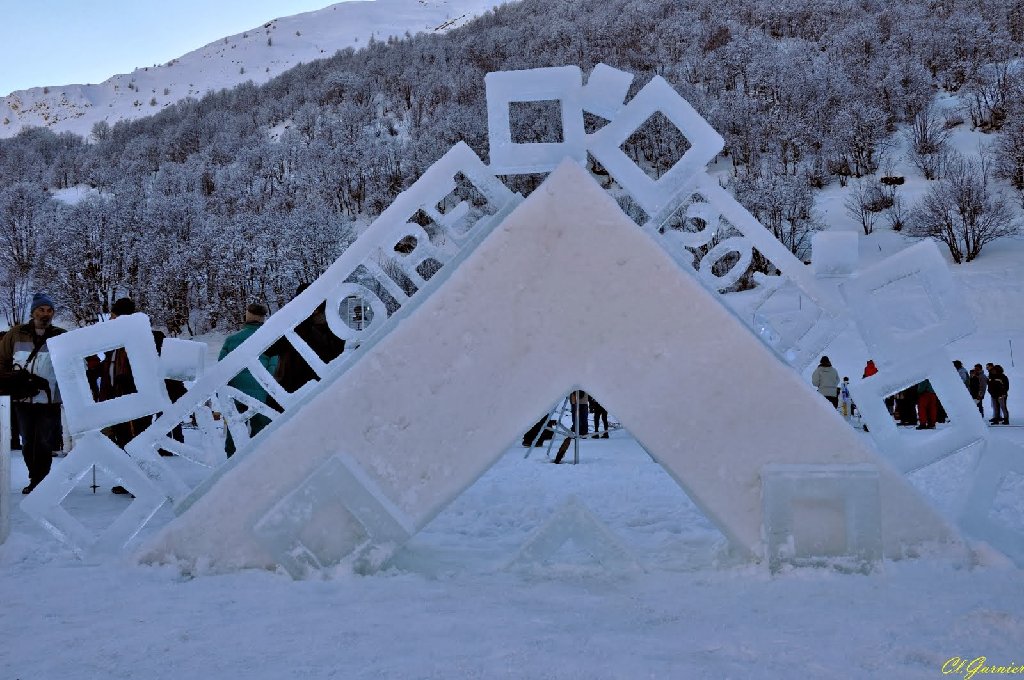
(450, 609)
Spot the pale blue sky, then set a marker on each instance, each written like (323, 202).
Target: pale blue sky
(63, 42)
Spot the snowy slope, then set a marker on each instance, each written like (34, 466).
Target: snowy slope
(258, 55)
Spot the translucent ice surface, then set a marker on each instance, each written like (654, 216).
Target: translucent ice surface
(182, 359)
(573, 522)
(606, 91)
(93, 448)
(895, 321)
(834, 253)
(999, 459)
(821, 512)
(69, 352)
(302, 536)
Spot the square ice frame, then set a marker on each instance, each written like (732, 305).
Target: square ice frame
(182, 359)
(657, 96)
(841, 517)
(999, 458)
(834, 253)
(967, 427)
(923, 261)
(44, 503)
(562, 83)
(69, 351)
(339, 481)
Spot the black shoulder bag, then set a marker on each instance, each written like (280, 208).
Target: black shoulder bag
(19, 383)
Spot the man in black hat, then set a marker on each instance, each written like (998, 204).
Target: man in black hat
(39, 415)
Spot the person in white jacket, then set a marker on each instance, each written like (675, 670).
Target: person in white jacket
(38, 416)
(826, 379)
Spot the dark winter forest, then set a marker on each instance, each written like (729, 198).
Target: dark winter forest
(245, 193)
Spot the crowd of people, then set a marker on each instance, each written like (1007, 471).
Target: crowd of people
(918, 405)
(36, 418)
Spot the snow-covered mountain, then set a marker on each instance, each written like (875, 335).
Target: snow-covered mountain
(258, 55)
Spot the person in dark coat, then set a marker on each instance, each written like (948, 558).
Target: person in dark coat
(600, 414)
(579, 405)
(115, 379)
(978, 385)
(292, 370)
(999, 389)
(15, 436)
(540, 432)
(906, 406)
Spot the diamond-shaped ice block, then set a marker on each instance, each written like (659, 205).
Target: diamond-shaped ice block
(92, 448)
(69, 352)
(657, 96)
(182, 359)
(572, 521)
(605, 91)
(834, 253)
(906, 303)
(966, 426)
(816, 513)
(562, 83)
(299, 531)
(999, 458)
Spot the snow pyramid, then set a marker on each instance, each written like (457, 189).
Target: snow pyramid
(436, 402)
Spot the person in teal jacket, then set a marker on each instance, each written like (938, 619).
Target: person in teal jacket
(255, 315)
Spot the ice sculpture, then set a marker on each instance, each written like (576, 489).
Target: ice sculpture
(563, 84)
(301, 530)
(574, 522)
(393, 409)
(967, 427)
(69, 351)
(5, 468)
(93, 448)
(182, 359)
(942, 314)
(416, 250)
(657, 96)
(822, 513)
(998, 460)
(358, 272)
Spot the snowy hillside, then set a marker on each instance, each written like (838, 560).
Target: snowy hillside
(257, 55)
